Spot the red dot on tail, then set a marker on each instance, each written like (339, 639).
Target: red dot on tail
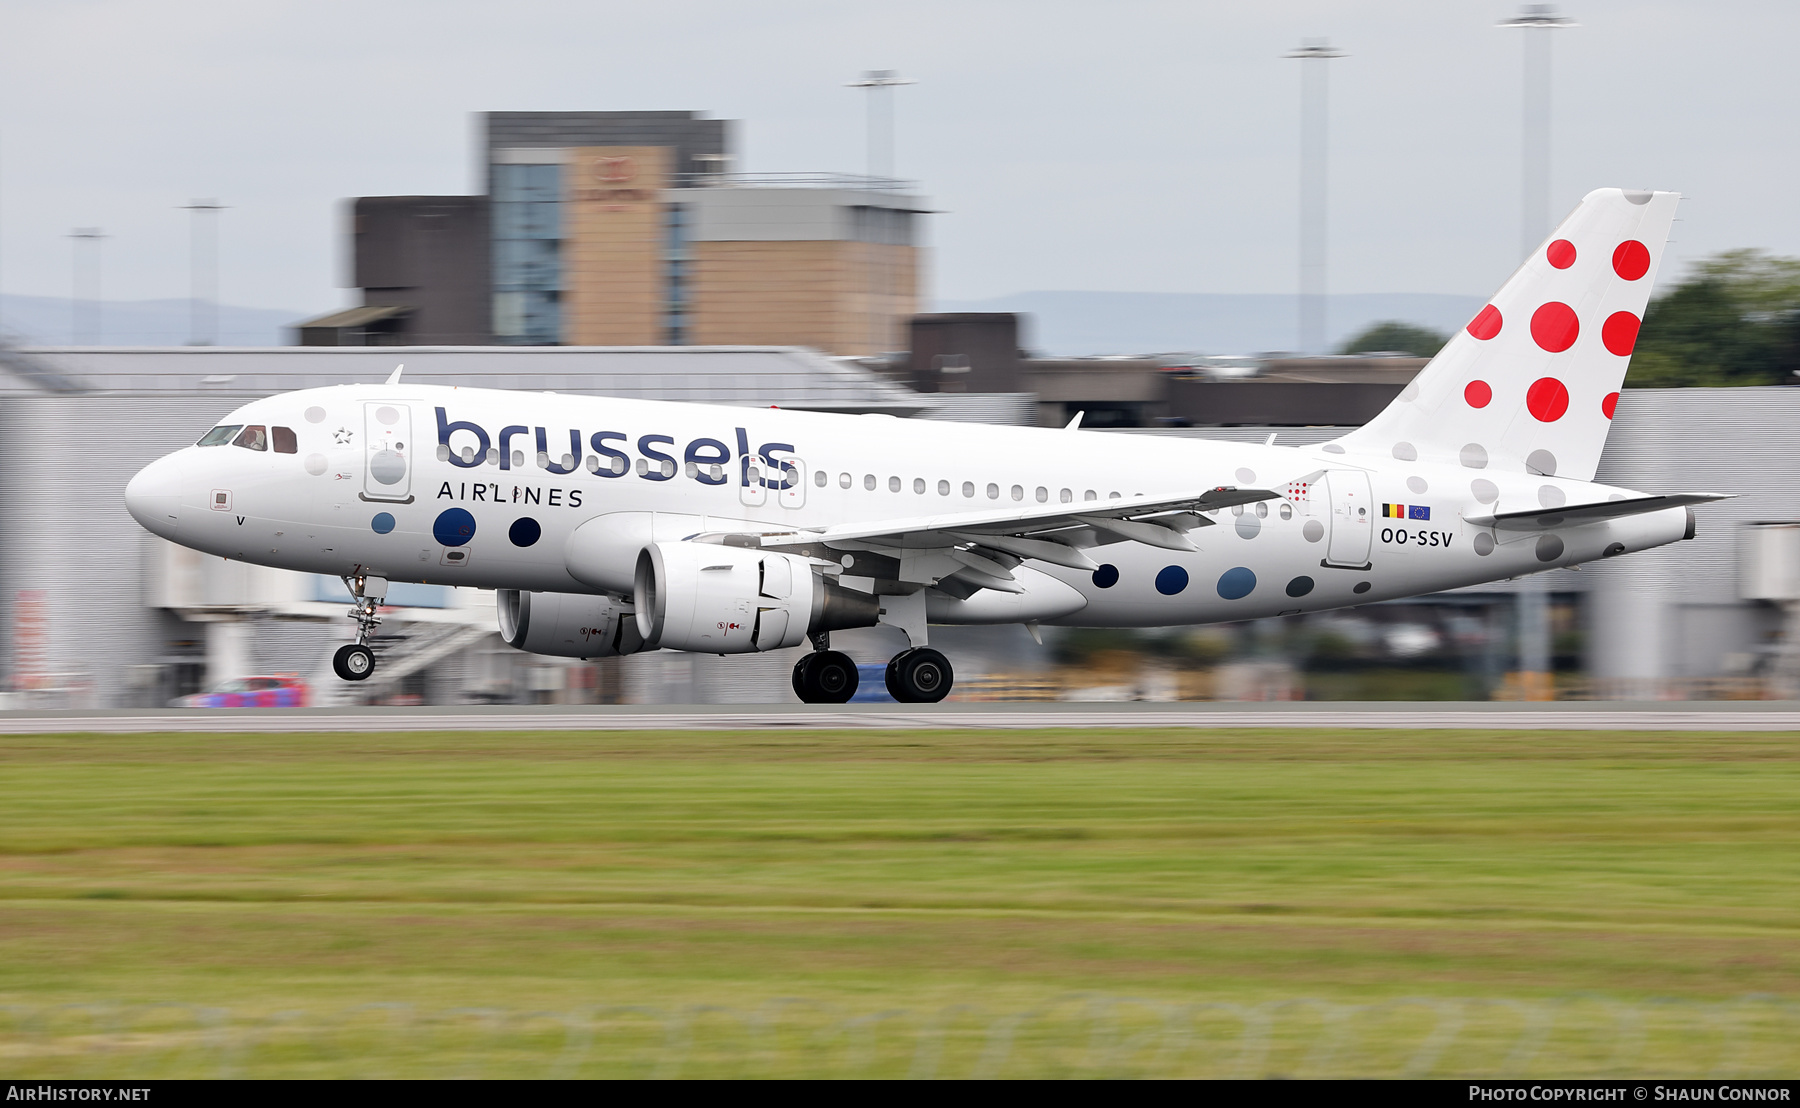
(1547, 399)
(1554, 326)
(1478, 394)
(1486, 323)
(1620, 332)
(1631, 260)
(1561, 254)
(1608, 405)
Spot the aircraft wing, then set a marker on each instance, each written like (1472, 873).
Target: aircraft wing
(1538, 519)
(981, 548)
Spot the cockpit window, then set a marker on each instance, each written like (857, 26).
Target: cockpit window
(285, 440)
(221, 434)
(253, 438)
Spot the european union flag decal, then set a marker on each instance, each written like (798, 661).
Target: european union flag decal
(1416, 511)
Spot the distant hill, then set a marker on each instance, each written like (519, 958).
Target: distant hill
(1206, 323)
(48, 321)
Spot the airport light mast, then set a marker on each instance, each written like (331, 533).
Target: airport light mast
(1537, 21)
(880, 83)
(1313, 54)
(203, 272)
(86, 272)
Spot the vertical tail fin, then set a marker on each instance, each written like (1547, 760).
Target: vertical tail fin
(1530, 384)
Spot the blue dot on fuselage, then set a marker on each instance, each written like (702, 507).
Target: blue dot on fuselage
(1171, 580)
(1106, 576)
(383, 523)
(1235, 584)
(453, 527)
(525, 531)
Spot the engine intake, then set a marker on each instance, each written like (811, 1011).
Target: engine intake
(731, 600)
(566, 625)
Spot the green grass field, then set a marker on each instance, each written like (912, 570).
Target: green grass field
(1027, 902)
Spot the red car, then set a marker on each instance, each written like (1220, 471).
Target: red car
(281, 691)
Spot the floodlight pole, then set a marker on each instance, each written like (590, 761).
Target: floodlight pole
(93, 236)
(880, 83)
(1314, 152)
(1537, 21)
(203, 272)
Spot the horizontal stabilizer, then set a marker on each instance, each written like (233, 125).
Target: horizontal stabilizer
(1538, 519)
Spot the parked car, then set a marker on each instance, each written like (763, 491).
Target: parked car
(284, 690)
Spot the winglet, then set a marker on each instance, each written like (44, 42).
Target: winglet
(394, 377)
(1076, 422)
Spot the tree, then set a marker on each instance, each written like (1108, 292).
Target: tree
(1734, 321)
(1390, 336)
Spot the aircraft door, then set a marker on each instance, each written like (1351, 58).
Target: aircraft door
(1352, 518)
(792, 477)
(388, 450)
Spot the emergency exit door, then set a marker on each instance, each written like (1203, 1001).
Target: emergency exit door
(1352, 518)
(388, 450)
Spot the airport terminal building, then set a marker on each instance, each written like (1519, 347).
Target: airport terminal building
(632, 229)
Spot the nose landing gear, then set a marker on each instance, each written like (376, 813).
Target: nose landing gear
(355, 662)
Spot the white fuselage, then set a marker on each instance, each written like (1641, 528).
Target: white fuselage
(373, 487)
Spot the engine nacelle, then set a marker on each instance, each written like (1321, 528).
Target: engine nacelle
(716, 599)
(566, 625)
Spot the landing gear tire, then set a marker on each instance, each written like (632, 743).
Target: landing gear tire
(825, 677)
(354, 662)
(919, 676)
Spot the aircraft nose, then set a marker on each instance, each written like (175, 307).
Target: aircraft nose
(153, 497)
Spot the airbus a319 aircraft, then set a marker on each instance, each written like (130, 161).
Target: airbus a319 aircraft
(616, 526)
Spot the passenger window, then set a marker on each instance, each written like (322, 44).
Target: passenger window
(968, 488)
(285, 440)
(843, 480)
(893, 484)
(819, 478)
(919, 485)
(252, 438)
(1067, 496)
(221, 434)
(1043, 494)
(1287, 510)
(1018, 493)
(869, 481)
(993, 491)
(943, 488)
(1090, 495)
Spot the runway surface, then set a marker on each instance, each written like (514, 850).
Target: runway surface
(1595, 716)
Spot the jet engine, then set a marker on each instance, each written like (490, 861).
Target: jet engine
(731, 600)
(567, 625)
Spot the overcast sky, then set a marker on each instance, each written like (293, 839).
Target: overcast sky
(1132, 145)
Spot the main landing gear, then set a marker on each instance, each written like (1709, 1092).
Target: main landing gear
(920, 675)
(355, 661)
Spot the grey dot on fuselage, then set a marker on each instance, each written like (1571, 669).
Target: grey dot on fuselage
(1313, 531)
(387, 467)
(1248, 525)
(1541, 462)
(1549, 548)
(1551, 497)
(1416, 484)
(1474, 456)
(1484, 544)
(1485, 491)
(1406, 452)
